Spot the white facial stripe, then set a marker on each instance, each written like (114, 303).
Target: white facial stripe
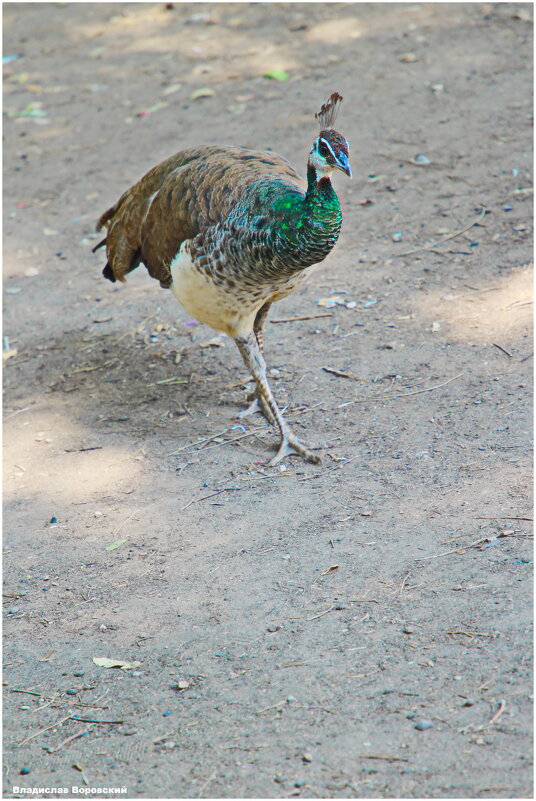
(329, 146)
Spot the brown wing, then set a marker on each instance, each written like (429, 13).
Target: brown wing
(178, 199)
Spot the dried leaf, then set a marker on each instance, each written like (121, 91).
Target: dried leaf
(341, 373)
(205, 91)
(103, 661)
(174, 87)
(329, 570)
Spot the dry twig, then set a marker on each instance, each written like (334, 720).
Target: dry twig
(446, 238)
(302, 317)
(402, 395)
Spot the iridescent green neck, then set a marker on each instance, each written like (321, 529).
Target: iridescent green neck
(320, 199)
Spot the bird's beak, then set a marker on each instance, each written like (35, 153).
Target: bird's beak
(343, 164)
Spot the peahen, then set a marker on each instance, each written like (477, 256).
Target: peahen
(229, 231)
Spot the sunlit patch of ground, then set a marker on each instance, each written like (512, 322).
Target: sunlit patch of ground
(490, 314)
(49, 455)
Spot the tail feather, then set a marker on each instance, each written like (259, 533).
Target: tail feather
(100, 245)
(109, 273)
(106, 217)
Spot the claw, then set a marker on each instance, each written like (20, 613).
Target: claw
(253, 408)
(289, 446)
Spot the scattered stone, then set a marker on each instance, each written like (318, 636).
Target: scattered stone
(422, 725)
(25, 771)
(408, 630)
(307, 757)
(421, 160)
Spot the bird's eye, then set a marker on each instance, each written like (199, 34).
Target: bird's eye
(323, 149)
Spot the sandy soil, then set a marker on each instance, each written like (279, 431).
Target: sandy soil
(294, 627)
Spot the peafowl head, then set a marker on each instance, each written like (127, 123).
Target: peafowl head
(330, 149)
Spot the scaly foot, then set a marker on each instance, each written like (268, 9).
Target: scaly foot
(257, 405)
(291, 445)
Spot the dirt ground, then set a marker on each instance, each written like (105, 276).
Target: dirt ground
(357, 629)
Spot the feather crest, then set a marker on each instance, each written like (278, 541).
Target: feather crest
(328, 113)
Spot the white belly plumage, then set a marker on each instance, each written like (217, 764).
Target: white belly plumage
(209, 302)
(216, 306)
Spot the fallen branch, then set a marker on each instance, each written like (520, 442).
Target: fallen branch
(68, 740)
(445, 239)
(42, 731)
(102, 722)
(502, 517)
(402, 395)
(302, 317)
(500, 347)
(212, 494)
(464, 547)
(386, 757)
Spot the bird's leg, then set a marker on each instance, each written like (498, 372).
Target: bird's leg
(256, 401)
(254, 361)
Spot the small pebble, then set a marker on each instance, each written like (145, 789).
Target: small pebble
(307, 757)
(271, 629)
(13, 610)
(421, 160)
(290, 699)
(24, 771)
(299, 783)
(53, 520)
(469, 702)
(410, 715)
(166, 714)
(407, 630)
(508, 207)
(280, 779)
(422, 725)
(182, 685)
(71, 692)
(78, 673)
(397, 236)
